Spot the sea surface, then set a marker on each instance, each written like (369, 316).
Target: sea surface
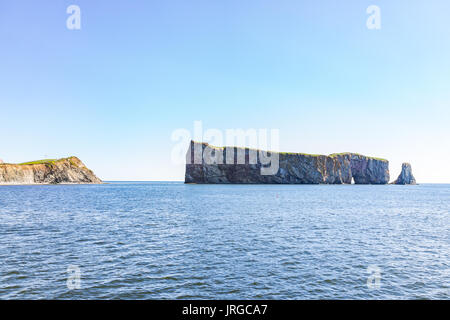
(176, 241)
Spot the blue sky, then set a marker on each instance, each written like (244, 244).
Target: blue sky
(113, 92)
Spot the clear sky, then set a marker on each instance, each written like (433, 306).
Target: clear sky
(113, 92)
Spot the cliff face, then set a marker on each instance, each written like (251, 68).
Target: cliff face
(290, 168)
(406, 176)
(67, 170)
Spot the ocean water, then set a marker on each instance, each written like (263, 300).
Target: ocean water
(176, 241)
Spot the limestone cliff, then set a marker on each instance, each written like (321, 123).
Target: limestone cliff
(209, 164)
(66, 170)
(406, 176)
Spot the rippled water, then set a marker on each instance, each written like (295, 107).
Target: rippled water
(170, 240)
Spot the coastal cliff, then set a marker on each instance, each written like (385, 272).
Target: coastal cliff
(67, 170)
(208, 164)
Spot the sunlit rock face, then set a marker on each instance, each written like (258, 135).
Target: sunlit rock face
(291, 168)
(67, 170)
(406, 176)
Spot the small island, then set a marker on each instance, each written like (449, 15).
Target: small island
(406, 176)
(49, 171)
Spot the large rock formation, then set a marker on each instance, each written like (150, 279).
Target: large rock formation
(67, 170)
(208, 164)
(406, 176)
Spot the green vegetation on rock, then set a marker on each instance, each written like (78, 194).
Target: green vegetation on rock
(356, 154)
(46, 161)
(43, 161)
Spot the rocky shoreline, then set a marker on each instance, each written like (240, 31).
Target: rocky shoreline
(55, 171)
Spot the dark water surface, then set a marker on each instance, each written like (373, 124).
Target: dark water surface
(170, 240)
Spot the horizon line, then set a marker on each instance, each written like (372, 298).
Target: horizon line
(251, 183)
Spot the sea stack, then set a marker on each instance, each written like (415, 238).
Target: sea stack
(208, 164)
(52, 171)
(406, 176)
